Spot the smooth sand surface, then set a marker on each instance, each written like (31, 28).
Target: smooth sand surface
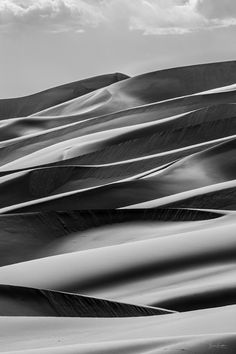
(209, 331)
(118, 207)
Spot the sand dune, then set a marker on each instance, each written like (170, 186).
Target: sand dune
(159, 266)
(118, 199)
(29, 236)
(200, 331)
(152, 87)
(19, 301)
(209, 167)
(18, 107)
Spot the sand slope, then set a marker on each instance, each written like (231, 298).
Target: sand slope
(19, 301)
(24, 106)
(118, 199)
(209, 331)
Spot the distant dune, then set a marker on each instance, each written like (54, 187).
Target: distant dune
(24, 106)
(118, 199)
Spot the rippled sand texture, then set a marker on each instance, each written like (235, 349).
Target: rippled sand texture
(118, 215)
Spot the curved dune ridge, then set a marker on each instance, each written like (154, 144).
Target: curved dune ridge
(118, 207)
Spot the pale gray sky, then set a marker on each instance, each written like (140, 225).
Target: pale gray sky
(45, 43)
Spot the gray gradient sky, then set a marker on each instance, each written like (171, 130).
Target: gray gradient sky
(50, 42)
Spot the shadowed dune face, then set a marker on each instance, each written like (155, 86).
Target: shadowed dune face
(19, 301)
(117, 199)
